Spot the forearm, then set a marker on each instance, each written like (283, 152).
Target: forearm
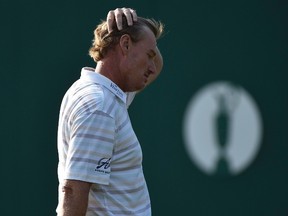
(75, 199)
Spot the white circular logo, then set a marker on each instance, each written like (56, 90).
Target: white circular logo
(222, 129)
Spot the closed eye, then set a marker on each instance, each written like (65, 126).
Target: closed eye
(151, 54)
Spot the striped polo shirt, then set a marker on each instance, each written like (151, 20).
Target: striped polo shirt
(97, 144)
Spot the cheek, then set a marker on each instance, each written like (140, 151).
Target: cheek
(139, 60)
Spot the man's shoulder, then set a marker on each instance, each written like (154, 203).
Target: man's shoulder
(84, 95)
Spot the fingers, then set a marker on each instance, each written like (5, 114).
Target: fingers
(110, 20)
(116, 16)
(130, 15)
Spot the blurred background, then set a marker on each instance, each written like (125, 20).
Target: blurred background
(213, 127)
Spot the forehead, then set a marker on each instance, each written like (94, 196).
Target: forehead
(149, 39)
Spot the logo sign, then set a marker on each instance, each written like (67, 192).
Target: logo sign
(222, 129)
(104, 165)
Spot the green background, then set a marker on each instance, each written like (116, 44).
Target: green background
(44, 45)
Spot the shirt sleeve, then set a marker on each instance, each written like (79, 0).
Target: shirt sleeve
(90, 148)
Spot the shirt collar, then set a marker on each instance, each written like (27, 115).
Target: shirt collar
(90, 75)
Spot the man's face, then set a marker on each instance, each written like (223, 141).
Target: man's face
(140, 63)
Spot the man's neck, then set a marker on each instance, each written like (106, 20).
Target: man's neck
(110, 70)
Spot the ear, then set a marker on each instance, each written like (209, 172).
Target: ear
(125, 43)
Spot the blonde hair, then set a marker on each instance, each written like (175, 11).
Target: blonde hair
(104, 41)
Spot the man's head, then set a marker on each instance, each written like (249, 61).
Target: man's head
(132, 51)
(104, 41)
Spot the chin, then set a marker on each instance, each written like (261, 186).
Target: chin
(139, 88)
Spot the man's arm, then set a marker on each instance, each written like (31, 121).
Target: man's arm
(158, 61)
(75, 198)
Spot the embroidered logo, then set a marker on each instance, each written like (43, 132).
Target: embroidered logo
(103, 165)
(116, 90)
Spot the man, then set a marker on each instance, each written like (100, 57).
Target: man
(100, 159)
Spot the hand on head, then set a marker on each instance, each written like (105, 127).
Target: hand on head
(116, 16)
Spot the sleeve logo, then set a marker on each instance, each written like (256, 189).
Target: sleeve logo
(103, 165)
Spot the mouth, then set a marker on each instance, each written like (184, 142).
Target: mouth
(146, 75)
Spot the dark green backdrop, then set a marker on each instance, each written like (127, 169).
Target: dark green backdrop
(44, 45)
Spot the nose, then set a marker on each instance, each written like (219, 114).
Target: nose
(152, 67)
